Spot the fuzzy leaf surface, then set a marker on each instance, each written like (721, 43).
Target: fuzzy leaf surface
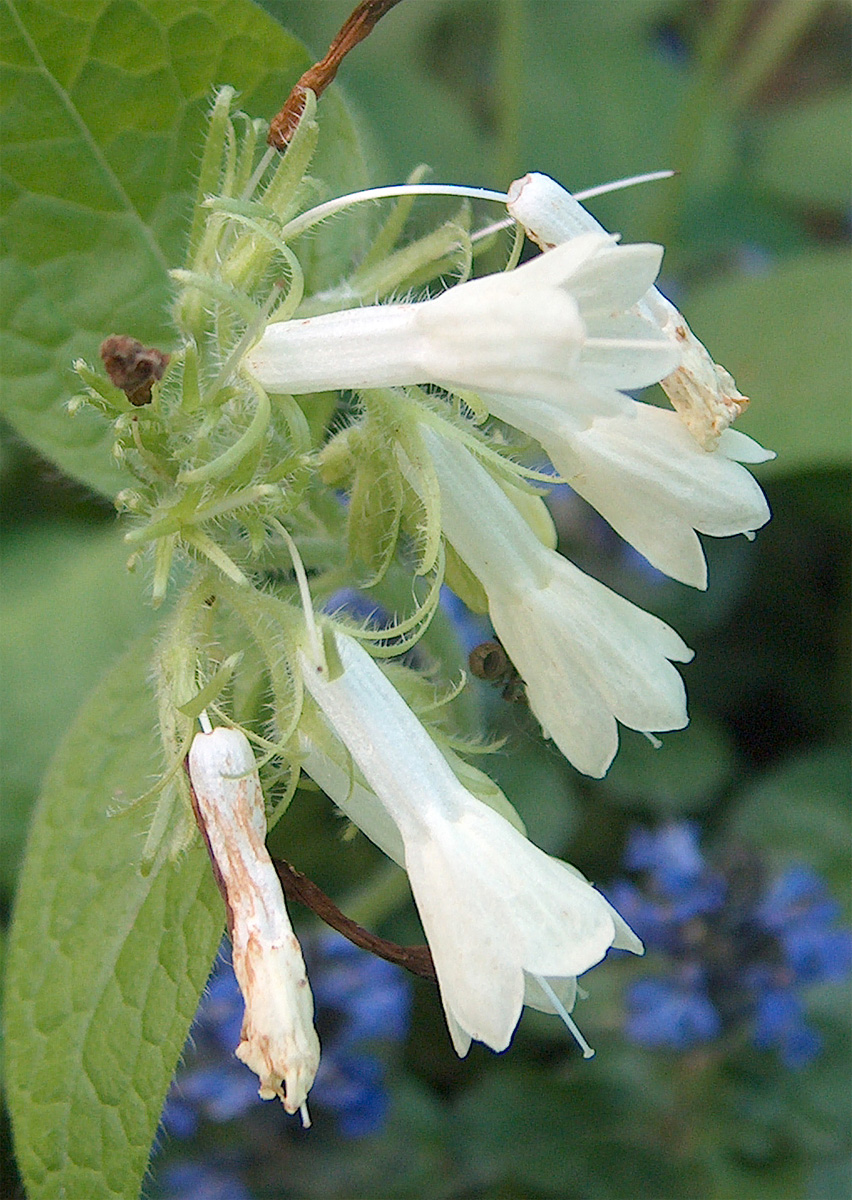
(68, 608)
(105, 967)
(102, 120)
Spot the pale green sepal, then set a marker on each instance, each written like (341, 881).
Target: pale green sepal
(105, 395)
(334, 667)
(446, 250)
(211, 162)
(105, 967)
(391, 230)
(213, 689)
(460, 578)
(375, 508)
(534, 511)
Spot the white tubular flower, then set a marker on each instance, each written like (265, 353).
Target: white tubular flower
(278, 1040)
(506, 924)
(704, 394)
(559, 319)
(589, 657)
(645, 474)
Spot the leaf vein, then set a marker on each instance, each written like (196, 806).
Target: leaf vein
(89, 140)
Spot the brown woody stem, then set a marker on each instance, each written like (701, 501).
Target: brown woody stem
(297, 886)
(317, 78)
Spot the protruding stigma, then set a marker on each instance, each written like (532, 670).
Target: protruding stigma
(562, 1011)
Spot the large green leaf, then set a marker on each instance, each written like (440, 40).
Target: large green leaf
(784, 337)
(804, 153)
(105, 966)
(68, 608)
(103, 114)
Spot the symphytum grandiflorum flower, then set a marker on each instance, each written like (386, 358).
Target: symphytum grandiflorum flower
(278, 1039)
(704, 394)
(646, 475)
(551, 348)
(232, 470)
(523, 333)
(506, 924)
(589, 657)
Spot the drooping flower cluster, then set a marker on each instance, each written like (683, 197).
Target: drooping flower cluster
(240, 456)
(551, 348)
(740, 945)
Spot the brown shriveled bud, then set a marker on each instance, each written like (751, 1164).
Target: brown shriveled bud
(133, 367)
(278, 1040)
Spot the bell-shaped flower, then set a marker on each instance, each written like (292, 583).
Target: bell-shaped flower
(704, 394)
(645, 474)
(506, 924)
(589, 658)
(278, 1040)
(560, 319)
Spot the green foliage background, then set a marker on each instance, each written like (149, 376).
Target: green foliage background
(103, 105)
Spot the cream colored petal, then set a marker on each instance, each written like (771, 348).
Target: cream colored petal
(494, 906)
(615, 279)
(536, 997)
(652, 482)
(278, 1040)
(589, 657)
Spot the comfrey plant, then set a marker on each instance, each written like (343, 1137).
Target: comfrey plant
(261, 494)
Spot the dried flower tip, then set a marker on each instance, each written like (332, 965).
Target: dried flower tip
(278, 1040)
(702, 393)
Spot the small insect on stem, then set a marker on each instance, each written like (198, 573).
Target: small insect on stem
(133, 367)
(354, 29)
(490, 662)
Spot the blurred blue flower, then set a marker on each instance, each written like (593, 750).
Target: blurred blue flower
(350, 602)
(779, 1023)
(186, 1180)
(470, 627)
(739, 947)
(673, 1012)
(352, 1085)
(360, 999)
(671, 45)
(669, 855)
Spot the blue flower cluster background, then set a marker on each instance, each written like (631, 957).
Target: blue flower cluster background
(738, 947)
